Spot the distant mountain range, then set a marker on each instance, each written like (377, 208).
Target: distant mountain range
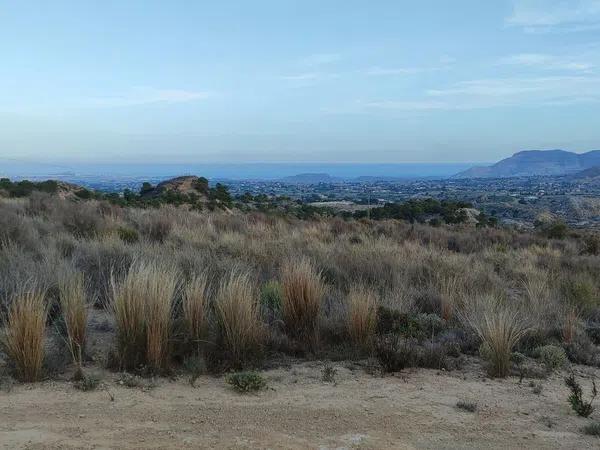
(536, 162)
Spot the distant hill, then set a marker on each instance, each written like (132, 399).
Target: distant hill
(181, 185)
(593, 173)
(536, 162)
(309, 178)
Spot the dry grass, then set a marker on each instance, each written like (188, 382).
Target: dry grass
(23, 339)
(361, 317)
(303, 291)
(142, 307)
(75, 312)
(242, 333)
(500, 327)
(195, 308)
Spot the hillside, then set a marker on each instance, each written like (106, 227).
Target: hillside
(593, 173)
(536, 162)
(188, 184)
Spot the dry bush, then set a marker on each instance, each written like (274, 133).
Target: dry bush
(195, 308)
(241, 332)
(24, 328)
(74, 309)
(500, 326)
(361, 316)
(142, 307)
(303, 291)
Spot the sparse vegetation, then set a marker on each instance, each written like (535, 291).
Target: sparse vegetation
(552, 357)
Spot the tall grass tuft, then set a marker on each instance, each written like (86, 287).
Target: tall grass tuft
(361, 316)
(75, 313)
(23, 338)
(241, 332)
(195, 308)
(142, 306)
(303, 291)
(500, 327)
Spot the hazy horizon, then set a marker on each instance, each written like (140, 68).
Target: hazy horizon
(271, 81)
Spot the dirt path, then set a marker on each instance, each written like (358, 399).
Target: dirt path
(415, 410)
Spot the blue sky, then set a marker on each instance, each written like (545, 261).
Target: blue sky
(246, 81)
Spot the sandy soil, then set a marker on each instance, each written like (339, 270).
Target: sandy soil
(415, 409)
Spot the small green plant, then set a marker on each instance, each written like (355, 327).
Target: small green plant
(196, 366)
(135, 381)
(128, 235)
(592, 429)
(581, 407)
(552, 356)
(328, 373)
(244, 382)
(270, 295)
(87, 383)
(466, 406)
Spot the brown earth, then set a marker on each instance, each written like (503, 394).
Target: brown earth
(414, 409)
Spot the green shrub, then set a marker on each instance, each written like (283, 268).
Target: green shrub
(394, 353)
(552, 356)
(581, 407)
(87, 383)
(128, 235)
(271, 295)
(245, 382)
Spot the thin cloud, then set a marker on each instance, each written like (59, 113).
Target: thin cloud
(545, 61)
(498, 92)
(383, 71)
(552, 15)
(142, 96)
(319, 59)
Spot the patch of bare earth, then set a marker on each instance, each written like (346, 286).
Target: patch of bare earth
(415, 409)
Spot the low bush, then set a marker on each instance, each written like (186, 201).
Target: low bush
(394, 353)
(244, 382)
(87, 383)
(328, 373)
(552, 356)
(128, 235)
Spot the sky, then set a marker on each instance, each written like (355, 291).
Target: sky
(297, 81)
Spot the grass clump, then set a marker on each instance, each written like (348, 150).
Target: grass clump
(24, 328)
(361, 318)
(500, 327)
(466, 406)
(241, 332)
(245, 382)
(303, 291)
(142, 306)
(580, 406)
(195, 309)
(75, 314)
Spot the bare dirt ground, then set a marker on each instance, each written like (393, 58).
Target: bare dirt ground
(414, 409)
